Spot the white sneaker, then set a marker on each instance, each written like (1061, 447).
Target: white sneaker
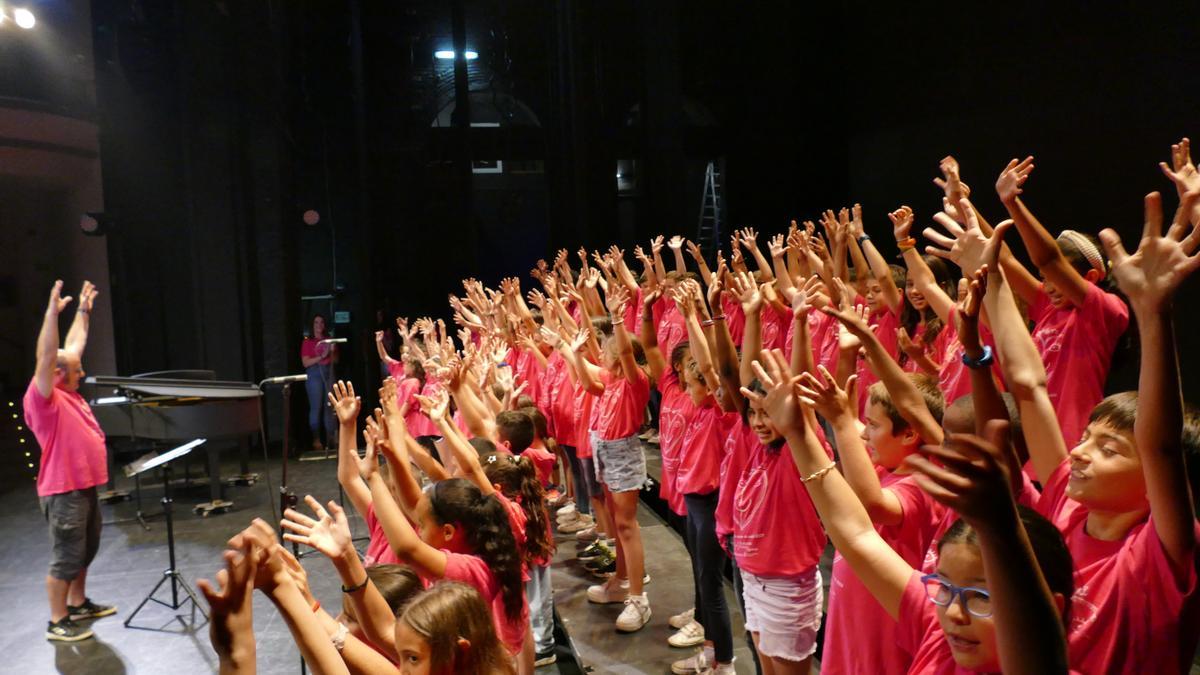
(578, 525)
(635, 615)
(587, 533)
(696, 663)
(563, 521)
(607, 593)
(567, 509)
(682, 619)
(688, 636)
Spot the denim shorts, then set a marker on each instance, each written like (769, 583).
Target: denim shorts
(620, 464)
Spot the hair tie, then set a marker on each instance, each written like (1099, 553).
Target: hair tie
(1087, 249)
(514, 459)
(491, 459)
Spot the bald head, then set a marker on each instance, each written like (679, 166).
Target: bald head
(68, 370)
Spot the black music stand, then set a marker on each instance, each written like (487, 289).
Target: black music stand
(171, 573)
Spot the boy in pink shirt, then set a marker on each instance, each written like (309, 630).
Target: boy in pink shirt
(73, 463)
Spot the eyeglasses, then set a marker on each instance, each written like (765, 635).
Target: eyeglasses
(942, 593)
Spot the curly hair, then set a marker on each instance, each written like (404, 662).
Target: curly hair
(484, 521)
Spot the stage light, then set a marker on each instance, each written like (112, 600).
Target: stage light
(24, 18)
(448, 54)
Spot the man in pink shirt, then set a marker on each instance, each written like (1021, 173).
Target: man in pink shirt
(73, 463)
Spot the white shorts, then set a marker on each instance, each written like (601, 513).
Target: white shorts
(785, 612)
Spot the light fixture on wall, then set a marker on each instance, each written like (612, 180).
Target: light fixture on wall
(448, 55)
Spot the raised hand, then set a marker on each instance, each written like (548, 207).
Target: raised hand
(749, 237)
(951, 183)
(905, 342)
(776, 246)
(550, 336)
(1151, 275)
(748, 293)
(616, 300)
(780, 402)
(969, 474)
(801, 304)
(388, 398)
(87, 296)
(854, 319)
(969, 307)
(57, 303)
(675, 243)
(344, 402)
(437, 406)
(683, 300)
(967, 246)
(580, 339)
(656, 244)
(1184, 174)
(902, 220)
(694, 249)
(231, 608)
(368, 464)
(824, 395)
(1008, 185)
(329, 533)
(856, 223)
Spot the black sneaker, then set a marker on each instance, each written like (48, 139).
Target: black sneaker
(67, 630)
(90, 610)
(544, 658)
(595, 550)
(602, 567)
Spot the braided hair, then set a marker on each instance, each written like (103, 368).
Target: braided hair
(484, 521)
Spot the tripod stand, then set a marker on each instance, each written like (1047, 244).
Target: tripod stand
(171, 574)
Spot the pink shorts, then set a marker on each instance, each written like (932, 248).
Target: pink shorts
(785, 612)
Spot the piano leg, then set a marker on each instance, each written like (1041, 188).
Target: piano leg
(245, 477)
(214, 483)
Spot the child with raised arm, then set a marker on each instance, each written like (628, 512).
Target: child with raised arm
(1076, 323)
(1120, 496)
(1003, 573)
(623, 390)
(674, 409)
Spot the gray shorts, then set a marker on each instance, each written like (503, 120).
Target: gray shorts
(620, 464)
(74, 520)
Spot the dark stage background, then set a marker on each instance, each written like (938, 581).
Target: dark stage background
(222, 122)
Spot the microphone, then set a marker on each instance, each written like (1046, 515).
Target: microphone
(285, 379)
(334, 341)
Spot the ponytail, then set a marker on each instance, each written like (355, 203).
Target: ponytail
(489, 536)
(517, 477)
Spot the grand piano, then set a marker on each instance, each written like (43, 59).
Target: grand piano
(160, 409)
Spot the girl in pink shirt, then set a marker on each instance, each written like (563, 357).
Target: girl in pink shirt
(623, 389)
(674, 408)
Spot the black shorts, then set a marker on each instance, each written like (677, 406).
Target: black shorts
(74, 520)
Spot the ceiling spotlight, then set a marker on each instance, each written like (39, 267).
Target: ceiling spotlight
(448, 54)
(24, 18)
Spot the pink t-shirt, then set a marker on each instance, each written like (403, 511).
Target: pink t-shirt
(1077, 344)
(473, 571)
(776, 531)
(732, 464)
(582, 405)
(516, 521)
(735, 318)
(1133, 610)
(527, 368)
(854, 612)
(670, 327)
(673, 412)
(774, 326)
(884, 324)
(703, 449)
(311, 347)
(543, 462)
(622, 406)
(557, 402)
(74, 456)
(822, 333)
(379, 551)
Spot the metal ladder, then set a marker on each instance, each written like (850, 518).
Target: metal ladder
(708, 231)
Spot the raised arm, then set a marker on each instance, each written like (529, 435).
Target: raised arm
(687, 295)
(880, 568)
(379, 349)
(918, 272)
(1043, 249)
(750, 242)
(347, 407)
(649, 337)
(676, 246)
(892, 296)
(77, 335)
(701, 263)
(752, 301)
(47, 344)
(588, 373)
(660, 269)
(905, 395)
(1150, 278)
(971, 478)
(464, 454)
(725, 352)
(616, 305)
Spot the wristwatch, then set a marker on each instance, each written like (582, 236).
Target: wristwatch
(984, 361)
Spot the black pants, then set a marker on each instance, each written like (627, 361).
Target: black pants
(708, 562)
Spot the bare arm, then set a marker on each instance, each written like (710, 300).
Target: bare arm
(77, 335)
(47, 344)
(1150, 277)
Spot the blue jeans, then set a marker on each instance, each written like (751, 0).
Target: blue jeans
(540, 595)
(320, 382)
(583, 502)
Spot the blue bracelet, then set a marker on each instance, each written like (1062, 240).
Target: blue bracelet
(984, 361)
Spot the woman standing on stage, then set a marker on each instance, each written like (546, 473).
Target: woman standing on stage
(318, 357)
